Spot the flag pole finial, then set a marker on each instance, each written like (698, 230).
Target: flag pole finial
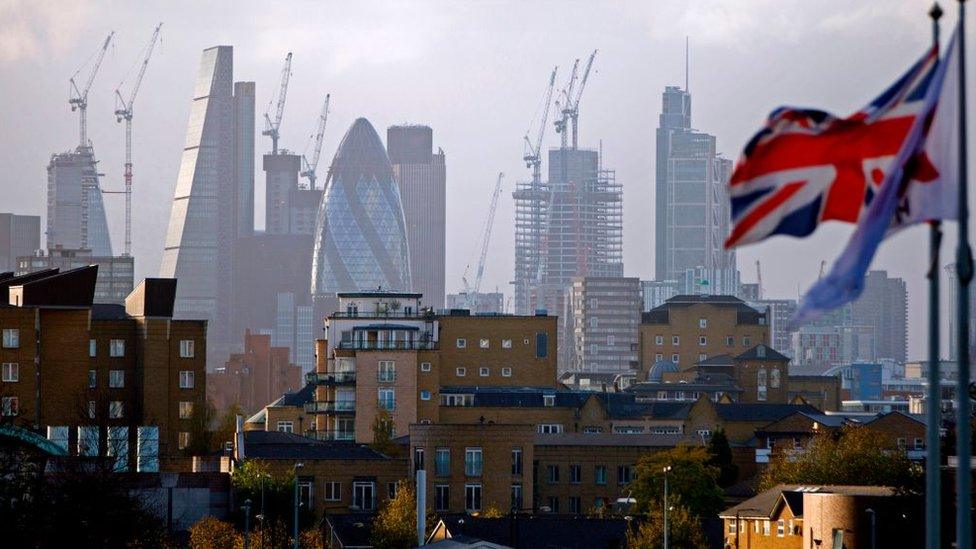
(936, 12)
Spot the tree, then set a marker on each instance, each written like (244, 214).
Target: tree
(857, 456)
(395, 526)
(382, 433)
(691, 480)
(210, 533)
(684, 530)
(279, 494)
(721, 457)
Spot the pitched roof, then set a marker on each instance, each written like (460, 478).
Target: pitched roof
(542, 531)
(737, 411)
(764, 504)
(766, 352)
(288, 446)
(716, 360)
(296, 398)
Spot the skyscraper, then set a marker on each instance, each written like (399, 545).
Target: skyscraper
(421, 176)
(214, 192)
(692, 207)
(360, 238)
(602, 319)
(20, 235)
(75, 211)
(884, 305)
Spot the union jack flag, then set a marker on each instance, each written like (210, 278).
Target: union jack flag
(807, 166)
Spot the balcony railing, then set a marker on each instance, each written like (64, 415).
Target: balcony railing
(330, 378)
(387, 345)
(335, 435)
(329, 407)
(382, 314)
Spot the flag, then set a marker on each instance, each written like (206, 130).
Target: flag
(922, 185)
(807, 166)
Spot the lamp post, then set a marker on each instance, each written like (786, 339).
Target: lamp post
(261, 517)
(870, 512)
(247, 523)
(666, 470)
(295, 526)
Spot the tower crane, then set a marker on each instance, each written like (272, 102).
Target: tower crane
(78, 98)
(308, 168)
(123, 111)
(573, 103)
(472, 292)
(562, 106)
(533, 158)
(271, 126)
(759, 285)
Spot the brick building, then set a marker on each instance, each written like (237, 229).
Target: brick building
(127, 381)
(255, 377)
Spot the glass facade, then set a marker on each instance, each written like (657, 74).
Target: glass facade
(360, 235)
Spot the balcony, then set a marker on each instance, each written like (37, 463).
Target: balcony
(335, 435)
(331, 378)
(329, 407)
(386, 345)
(383, 314)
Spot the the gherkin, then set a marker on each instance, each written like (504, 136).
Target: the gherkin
(360, 234)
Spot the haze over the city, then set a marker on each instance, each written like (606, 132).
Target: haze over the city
(475, 73)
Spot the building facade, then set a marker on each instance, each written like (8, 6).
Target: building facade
(421, 175)
(115, 279)
(883, 305)
(481, 302)
(75, 210)
(602, 315)
(20, 236)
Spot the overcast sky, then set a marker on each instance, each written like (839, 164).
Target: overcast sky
(474, 71)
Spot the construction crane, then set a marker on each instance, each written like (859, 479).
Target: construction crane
(123, 111)
(561, 106)
(823, 266)
(533, 158)
(573, 101)
(759, 288)
(308, 168)
(473, 291)
(78, 98)
(271, 126)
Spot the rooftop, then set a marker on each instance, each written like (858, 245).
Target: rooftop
(274, 445)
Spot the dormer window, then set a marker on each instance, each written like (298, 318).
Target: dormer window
(548, 400)
(761, 351)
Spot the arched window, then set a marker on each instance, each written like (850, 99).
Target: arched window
(761, 377)
(774, 378)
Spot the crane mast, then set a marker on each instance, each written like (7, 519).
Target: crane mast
(271, 126)
(574, 104)
(473, 292)
(534, 157)
(308, 168)
(123, 111)
(79, 97)
(563, 107)
(759, 288)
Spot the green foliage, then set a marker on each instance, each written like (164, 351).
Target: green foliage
(210, 533)
(691, 480)
(382, 434)
(721, 457)
(279, 500)
(491, 511)
(857, 456)
(395, 526)
(684, 530)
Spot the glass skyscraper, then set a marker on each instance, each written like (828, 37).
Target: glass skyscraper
(75, 211)
(360, 234)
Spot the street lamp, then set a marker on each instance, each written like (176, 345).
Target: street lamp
(295, 529)
(666, 470)
(247, 522)
(872, 538)
(264, 477)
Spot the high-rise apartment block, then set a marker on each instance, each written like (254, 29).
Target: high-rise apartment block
(884, 305)
(213, 198)
(20, 236)
(602, 316)
(75, 210)
(290, 207)
(692, 207)
(421, 176)
(481, 302)
(780, 313)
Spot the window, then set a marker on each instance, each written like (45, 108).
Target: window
(187, 378)
(516, 493)
(483, 371)
(600, 475)
(286, 426)
(625, 473)
(186, 348)
(516, 461)
(116, 379)
(461, 343)
(391, 489)
(116, 348)
(387, 398)
(675, 340)
(766, 527)
(658, 357)
(425, 366)
(387, 371)
(550, 428)
(702, 357)
(483, 343)
(11, 338)
(761, 384)
(457, 400)
(186, 409)
(574, 505)
(333, 491)
(424, 394)
(666, 430)
(364, 495)
(184, 440)
(442, 497)
(92, 347)
(575, 474)
(506, 372)
(11, 406)
(548, 400)
(780, 528)
(472, 498)
(11, 372)
(552, 473)
(91, 409)
(675, 358)
(442, 462)
(703, 323)
(418, 459)
(901, 443)
(774, 378)
(610, 340)
(541, 345)
(461, 371)
(115, 409)
(732, 526)
(702, 340)
(729, 341)
(472, 462)
(659, 340)
(746, 341)
(599, 503)
(919, 444)
(553, 504)
(506, 344)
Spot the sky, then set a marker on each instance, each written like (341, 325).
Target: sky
(475, 72)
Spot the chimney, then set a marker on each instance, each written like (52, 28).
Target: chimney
(239, 439)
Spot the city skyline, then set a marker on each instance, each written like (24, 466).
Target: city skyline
(624, 123)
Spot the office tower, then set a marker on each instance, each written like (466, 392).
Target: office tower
(655, 292)
(360, 238)
(115, 280)
(212, 199)
(421, 176)
(484, 302)
(780, 312)
(20, 236)
(75, 211)
(290, 207)
(884, 305)
(604, 313)
(691, 203)
(950, 312)
(570, 226)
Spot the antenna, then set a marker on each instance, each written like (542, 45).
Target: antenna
(686, 66)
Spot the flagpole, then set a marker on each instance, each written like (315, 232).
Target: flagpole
(964, 270)
(933, 409)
